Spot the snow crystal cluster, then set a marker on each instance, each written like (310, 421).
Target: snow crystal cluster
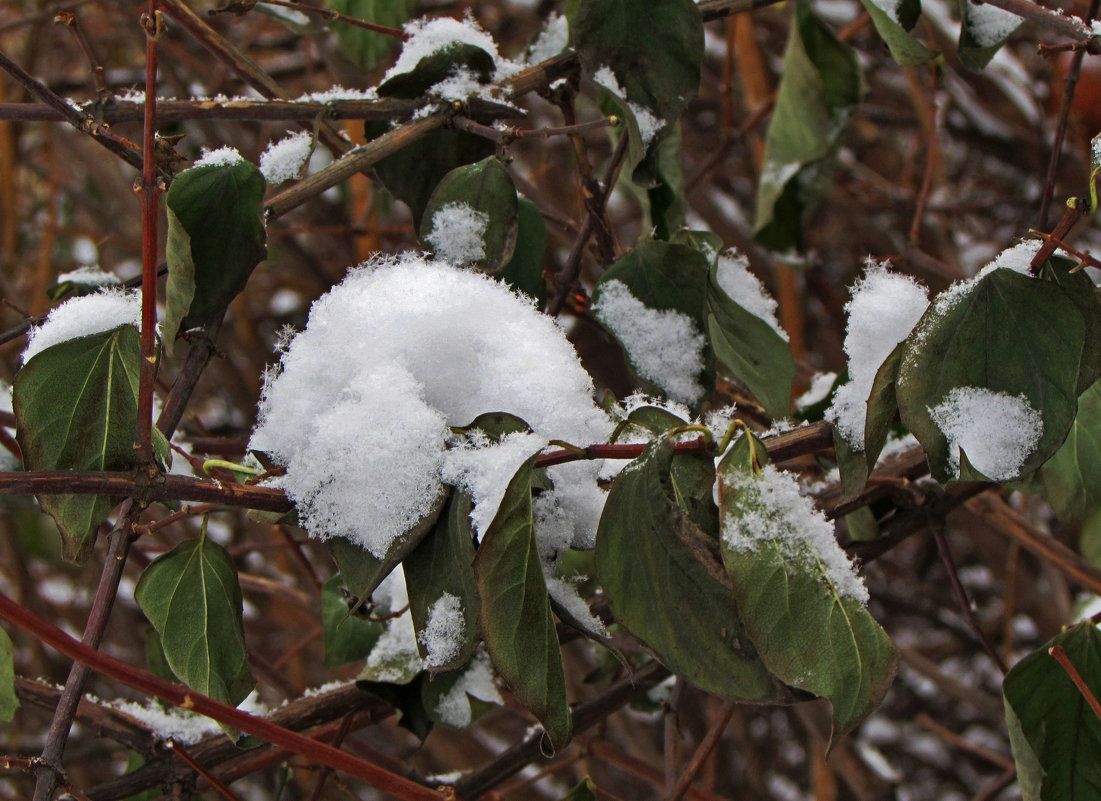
(218, 157)
(665, 346)
(996, 431)
(442, 636)
(84, 316)
(89, 276)
(458, 233)
(884, 308)
(361, 411)
(283, 160)
(770, 508)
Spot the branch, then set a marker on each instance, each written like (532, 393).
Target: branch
(173, 110)
(184, 698)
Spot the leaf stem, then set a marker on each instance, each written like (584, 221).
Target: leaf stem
(1060, 655)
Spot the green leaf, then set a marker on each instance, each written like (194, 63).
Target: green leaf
(1080, 288)
(216, 237)
(1056, 738)
(8, 700)
(471, 217)
(76, 409)
(438, 66)
(810, 627)
(692, 475)
(707, 243)
(818, 94)
(1006, 333)
(749, 350)
(895, 29)
(406, 699)
(413, 172)
(362, 571)
(1072, 477)
(654, 48)
(443, 564)
(524, 272)
(349, 637)
(1089, 537)
(665, 584)
(366, 48)
(983, 32)
(192, 597)
(155, 660)
(515, 617)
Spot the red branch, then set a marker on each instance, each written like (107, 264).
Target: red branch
(180, 696)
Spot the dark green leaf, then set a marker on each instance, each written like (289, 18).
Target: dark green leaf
(750, 350)
(76, 409)
(666, 194)
(525, 272)
(654, 47)
(1089, 537)
(192, 597)
(707, 243)
(1056, 739)
(443, 564)
(1007, 333)
(666, 585)
(983, 32)
(155, 660)
(882, 407)
(413, 172)
(439, 66)
(471, 217)
(366, 48)
(348, 637)
(818, 94)
(584, 791)
(216, 238)
(1072, 477)
(8, 700)
(895, 29)
(406, 699)
(516, 619)
(362, 571)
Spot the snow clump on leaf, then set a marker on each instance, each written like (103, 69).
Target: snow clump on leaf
(884, 308)
(84, 316)
(283, 160)
(997, 432)
(402, 350)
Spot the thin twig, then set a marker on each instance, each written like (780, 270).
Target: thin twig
(945, 551)
(336, 16)
(211, 779)
(69, 20)
(106, 591)
(184, 698)
(703, 751)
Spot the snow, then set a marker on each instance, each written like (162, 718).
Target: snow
(997, 431)
(338, 92)
(889, 7)
(186, 728)
(89, 275)
(485, 469)
(989, 24)
(427, 36)
(395, 657)
(84, 316)
(552, 40)
(218, 158)
(745, 289)
(769, 508)
(283, 160)
(884, 308)
(390, 359)
(442, 637)
(458, 233)
(453, 708)
(665, 346)
(1016, 257)
(819, 388)
(564, 593)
